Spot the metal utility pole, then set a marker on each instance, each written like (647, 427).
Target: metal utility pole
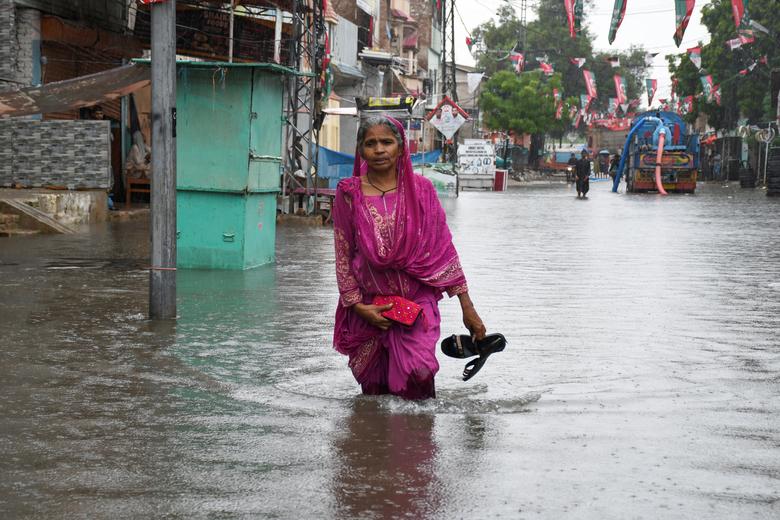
(524, 21)
(162, 273)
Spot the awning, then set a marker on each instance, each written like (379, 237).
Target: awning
(84, 91)
(347, 71)
(402, 15)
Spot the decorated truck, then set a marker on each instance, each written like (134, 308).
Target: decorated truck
(660, 154)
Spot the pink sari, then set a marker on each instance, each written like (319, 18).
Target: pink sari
(398, 244)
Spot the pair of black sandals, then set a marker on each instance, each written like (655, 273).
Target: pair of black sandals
(463, 346)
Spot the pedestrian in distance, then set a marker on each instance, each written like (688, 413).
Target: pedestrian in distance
(572, 164)
(613, 165)
(582, 174)
(392, 242)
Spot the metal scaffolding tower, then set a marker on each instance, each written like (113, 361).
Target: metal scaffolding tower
(449, 83)
(303, 110)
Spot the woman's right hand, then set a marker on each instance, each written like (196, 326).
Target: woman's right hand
(373, 314)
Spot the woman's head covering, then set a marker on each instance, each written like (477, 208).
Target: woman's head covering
(408, 211)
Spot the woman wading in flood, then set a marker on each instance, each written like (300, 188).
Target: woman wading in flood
(392, 239)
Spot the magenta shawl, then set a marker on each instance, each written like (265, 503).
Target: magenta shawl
(418, 251)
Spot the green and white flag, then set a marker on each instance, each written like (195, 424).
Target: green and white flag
(618, 13)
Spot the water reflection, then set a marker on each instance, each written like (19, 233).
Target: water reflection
(385, 464)
(640, 375)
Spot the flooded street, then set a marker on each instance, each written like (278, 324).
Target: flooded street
(641, 379)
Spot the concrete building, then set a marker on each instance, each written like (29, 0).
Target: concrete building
(381, 48)
(41, 42)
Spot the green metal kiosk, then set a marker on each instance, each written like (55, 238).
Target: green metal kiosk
(229, 159)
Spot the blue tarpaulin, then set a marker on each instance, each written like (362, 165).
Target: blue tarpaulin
(334, 166)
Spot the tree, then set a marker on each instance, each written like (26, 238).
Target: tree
(523, 104)
(548, 38)
(741, 95)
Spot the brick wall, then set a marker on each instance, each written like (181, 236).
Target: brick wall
(20, 32)
(7, 43)
(72, 154)
(28, 38)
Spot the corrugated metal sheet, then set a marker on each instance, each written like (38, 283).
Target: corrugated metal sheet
(344, 38)
(63, 96)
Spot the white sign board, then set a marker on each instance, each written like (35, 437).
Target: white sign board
(447, 120)
(477, 156)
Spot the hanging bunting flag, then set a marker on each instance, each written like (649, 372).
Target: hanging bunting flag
(763, 59)
(734, 43)
(558, 103)
(739, 10)
(683, 10)
(590, 82)
(706, 86)
(651, 85)
(613, 106)
(614, 61)
(687, 105)
(694, 53)
(716, 94)
(569, 6)
(579, 8)
(585, 102)
(546, 68)
(624, 107)
(757, 26)
(621, 88)
(618, 13)
(469, 42)
(746, 38)
(573, 113)
(518, 60)
(473, 80)
(574, 9)
(579, 62)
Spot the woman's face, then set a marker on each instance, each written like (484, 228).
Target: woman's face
(380, 149)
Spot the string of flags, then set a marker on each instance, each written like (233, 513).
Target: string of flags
(746, 30)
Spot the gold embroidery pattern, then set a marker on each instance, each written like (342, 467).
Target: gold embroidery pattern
(452, 271)
(383, 229)
(348, 286)
(359, 362)
(457, 289)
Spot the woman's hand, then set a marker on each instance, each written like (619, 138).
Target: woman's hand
(373, 314)
(471, 319)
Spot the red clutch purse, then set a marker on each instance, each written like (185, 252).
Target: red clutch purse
(404, 311)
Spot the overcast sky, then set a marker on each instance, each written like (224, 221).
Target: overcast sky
(649, 23)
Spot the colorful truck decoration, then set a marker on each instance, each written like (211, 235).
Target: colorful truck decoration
(660, 154)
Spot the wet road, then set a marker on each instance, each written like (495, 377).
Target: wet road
(642, 378)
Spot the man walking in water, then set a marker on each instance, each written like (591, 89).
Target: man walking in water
(582, 173)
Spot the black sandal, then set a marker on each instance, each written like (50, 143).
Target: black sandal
(463, 346)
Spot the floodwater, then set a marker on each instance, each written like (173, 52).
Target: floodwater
(641, 379)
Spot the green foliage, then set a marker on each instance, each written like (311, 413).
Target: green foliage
(521, 103)
(741, 96)
(549, 36)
